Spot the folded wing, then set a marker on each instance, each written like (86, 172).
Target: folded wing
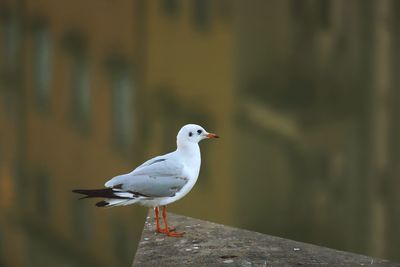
(159, 177)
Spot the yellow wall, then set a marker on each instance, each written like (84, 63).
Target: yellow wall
(168, 55)
(177, 55)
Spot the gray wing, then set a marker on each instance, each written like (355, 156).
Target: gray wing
(159, 177)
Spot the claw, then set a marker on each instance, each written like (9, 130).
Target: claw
(165, 231)
(175, 234)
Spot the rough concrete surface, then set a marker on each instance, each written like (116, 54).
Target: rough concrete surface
(210, 244)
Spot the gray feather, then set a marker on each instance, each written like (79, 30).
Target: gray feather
(158, 177)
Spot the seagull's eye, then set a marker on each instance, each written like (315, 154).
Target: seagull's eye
(190, 134)
(199, 131)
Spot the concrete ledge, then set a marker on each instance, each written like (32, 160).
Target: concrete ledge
(209, 244)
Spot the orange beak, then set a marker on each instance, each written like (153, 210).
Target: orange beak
(212, 135)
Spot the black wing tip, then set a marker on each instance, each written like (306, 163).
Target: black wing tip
(79, 191)
(101, 193)
(102, 204)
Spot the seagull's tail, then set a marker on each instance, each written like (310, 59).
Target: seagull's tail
(116, 202)
(113, 197)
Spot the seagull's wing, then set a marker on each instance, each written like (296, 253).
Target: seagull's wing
(154, 160)
(159, 177)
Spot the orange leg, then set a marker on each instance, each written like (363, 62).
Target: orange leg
(167, 230)
(158, 227)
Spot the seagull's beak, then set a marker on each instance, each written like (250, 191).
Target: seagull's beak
(212, 135)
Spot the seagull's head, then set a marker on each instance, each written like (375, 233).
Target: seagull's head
(193, 133)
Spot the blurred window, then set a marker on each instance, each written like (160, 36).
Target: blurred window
(80, 83)
(2, 262)
(42, 66)
(80, 220)
(224, 9)
(202, 14)
(11, 42)
(43, 194)
(299, 10)
(325, 13)
(170, 7)
(121, 244)
(123, 92)
(18, 174)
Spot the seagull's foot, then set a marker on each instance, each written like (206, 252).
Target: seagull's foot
(175, 234)
(165, 231)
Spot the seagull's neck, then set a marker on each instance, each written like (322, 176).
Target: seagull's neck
(188, 148)
(190, 152)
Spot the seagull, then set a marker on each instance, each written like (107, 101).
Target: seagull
(159, 181)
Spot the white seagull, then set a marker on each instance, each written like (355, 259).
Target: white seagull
(159, 181)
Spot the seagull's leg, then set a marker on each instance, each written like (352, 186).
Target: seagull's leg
(158, 228)
(168, 231)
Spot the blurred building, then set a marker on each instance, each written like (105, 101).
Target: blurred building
(318, 116)
(88, 93)
(72, 124)
(303, 94)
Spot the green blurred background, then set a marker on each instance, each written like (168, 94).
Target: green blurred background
(302, 92)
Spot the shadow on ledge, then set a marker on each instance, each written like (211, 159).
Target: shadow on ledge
(210, 244)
